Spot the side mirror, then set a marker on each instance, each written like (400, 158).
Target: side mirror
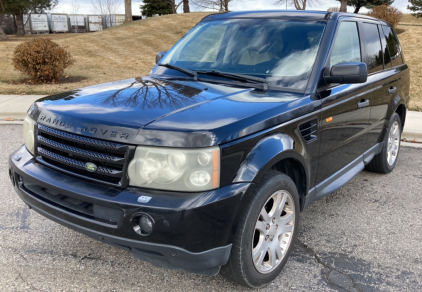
(159, 56)
(350, 72)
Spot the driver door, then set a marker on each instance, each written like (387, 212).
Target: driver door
(345, 111)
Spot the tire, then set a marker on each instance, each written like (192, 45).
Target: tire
(262, 234)
(386, 160)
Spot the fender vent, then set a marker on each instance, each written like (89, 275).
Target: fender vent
(309, 130)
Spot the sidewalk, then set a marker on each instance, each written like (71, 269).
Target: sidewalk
(412, 126)
(15, 106)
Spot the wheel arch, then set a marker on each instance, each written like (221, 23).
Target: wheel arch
(296, 171)
(276, 152)
(401, 111)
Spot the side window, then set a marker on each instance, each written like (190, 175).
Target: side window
(393, 46)
(373, 48)
(386, 53)
(346, 46)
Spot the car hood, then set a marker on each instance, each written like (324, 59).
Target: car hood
(149, 111)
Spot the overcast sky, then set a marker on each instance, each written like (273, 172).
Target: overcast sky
(64, 6)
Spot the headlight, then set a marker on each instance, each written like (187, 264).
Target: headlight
(28, 134)
(175, 169)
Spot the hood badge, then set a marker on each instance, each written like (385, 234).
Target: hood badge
(89, 130)
(91, 167)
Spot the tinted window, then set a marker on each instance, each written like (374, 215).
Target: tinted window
(393, 46)
(346, 46)
(386, 53)
(373, 48)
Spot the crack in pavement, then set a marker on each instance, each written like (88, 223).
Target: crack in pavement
(23, 279)
(33, 288)
(333, 276)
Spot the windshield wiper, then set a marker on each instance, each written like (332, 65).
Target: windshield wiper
(180, 69)
(235, 76)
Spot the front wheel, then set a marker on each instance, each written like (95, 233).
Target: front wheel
(266, 232)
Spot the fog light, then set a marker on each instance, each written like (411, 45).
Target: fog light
(12, 179)
(143, 224)
(20, 180)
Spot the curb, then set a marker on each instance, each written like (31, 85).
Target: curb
(11, 122)
(410, 135)
(15, 115)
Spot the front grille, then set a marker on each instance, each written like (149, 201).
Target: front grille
(70, 153)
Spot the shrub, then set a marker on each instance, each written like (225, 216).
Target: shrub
(42, 59)
(333, 9)
(387, 13)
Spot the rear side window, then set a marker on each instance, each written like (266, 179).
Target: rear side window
(386, 53)
(374, 59)
(393, 46)
(346, 46)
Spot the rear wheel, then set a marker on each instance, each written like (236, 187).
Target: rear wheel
(386, 160)
(266, 232)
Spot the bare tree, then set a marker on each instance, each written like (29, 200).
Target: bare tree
(333, 9)
(128, 11)
(343, 5)
(298, 4)
(75, 9)
(221, 5)
(3, 36)
(75, 6)
(186, 8)
(176, 6)
(105, 8)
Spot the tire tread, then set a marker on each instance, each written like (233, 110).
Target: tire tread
(233, 270)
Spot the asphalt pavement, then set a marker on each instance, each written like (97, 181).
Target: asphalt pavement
(365, 237)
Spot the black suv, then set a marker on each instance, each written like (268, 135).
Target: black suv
(208, 161)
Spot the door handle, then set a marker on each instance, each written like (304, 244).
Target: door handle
(392, 90)
(363, 103)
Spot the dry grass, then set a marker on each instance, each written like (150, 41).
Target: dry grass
(121, 52)
(129, 50)
(411, 41)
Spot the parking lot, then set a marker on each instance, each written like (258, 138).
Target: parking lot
(365, 237)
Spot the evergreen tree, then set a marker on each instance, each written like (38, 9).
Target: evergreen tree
(416, 7)
(358, 4)
(160, 7)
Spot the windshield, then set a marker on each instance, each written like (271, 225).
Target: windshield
(283, 52)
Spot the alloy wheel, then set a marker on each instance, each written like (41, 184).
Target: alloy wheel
(273, 231)
(393, 143)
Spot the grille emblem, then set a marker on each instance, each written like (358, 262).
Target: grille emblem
(91, 167)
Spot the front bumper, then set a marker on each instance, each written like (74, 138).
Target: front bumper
(192, 231)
